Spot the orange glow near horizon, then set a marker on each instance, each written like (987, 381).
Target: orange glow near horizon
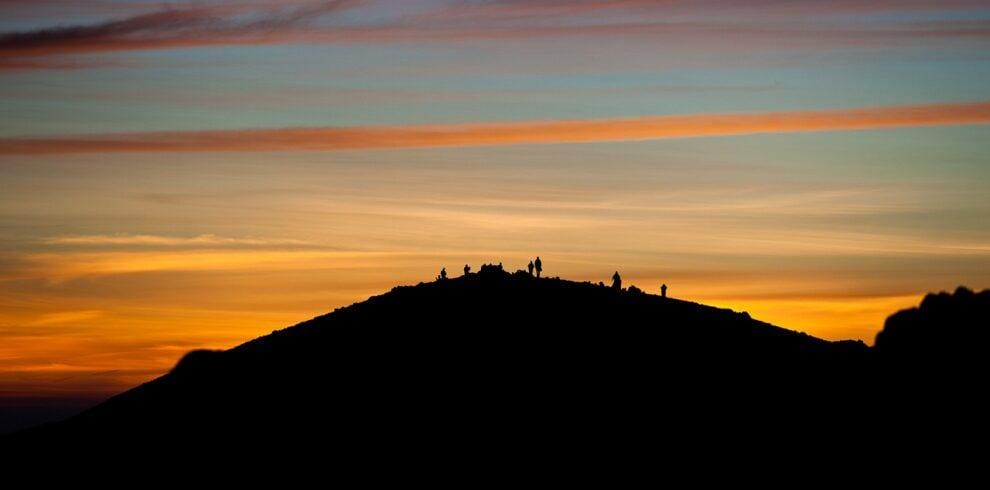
(214, 298)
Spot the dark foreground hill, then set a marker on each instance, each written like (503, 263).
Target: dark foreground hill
(491, 356)
(944, 325)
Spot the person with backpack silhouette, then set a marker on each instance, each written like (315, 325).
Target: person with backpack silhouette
(467, 269)
(530, 267)
(539, 266)
(616, 281)
(443, 273)
(663, 290)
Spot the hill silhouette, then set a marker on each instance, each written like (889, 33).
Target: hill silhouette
(956, 324)
(489, 354)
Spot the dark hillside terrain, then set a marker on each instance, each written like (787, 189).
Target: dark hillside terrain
(489, 355)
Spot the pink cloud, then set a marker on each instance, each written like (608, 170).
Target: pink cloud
(260, 23)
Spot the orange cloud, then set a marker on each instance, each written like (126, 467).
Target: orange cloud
(65, 266)
(509, 133)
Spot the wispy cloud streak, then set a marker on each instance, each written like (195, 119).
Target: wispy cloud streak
(167, 241)
(266, 23)
(510, 133)
(172, 28)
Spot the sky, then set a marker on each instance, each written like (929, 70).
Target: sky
(193, 174)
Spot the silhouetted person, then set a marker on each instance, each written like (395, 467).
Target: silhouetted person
(530, 267)
(443, 273)
(467, 269)
(539, 266)
(616, 281)
(663, 290)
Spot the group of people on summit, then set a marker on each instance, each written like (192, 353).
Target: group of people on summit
(537, 266)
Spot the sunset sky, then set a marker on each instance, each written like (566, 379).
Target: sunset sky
(192, 174)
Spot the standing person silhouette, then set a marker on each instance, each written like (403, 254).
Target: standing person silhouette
(539, 266)
(616, 281)
(663, 290)
(530, 267)
(443, 273)
(467, 269)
